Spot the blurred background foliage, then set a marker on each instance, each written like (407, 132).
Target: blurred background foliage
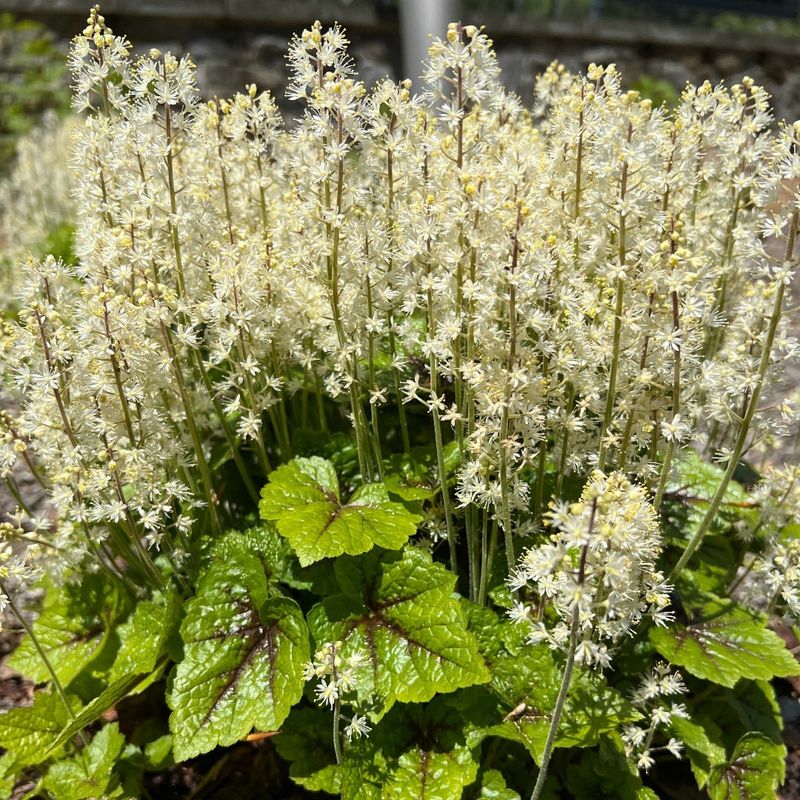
(31, 79)
(660, 91)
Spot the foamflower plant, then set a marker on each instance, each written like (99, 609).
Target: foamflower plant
(424, 447)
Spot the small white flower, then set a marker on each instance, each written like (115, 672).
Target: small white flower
(327, 692)
(675, 747)
(645, 760)
(357, 727)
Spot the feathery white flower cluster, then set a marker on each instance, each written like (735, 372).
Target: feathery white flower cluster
(600, 565)
(771, 581)
(651, 698)
(586, 286)
(335, 678)
(27, 537)
(19, 553)
(35, 197)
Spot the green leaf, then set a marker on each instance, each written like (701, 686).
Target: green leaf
(59, 242)
(410, 628)
(338, 448)
(725, 644)
(143, 637)
(263, 541)
(27, 732)
(695, 483)
(791, 531)
(364, 771)
(526, 678)
(244, 652)
(703, 746)
(415, 468)
(685, 506)
(158, 753)
(113, 693)
(424, 775)
(493, 787)
(143, 641)
(717, 568)
(452, 457)
(395, 485)
(730, 713)
(6, 783)
(439, 724)
(374, 767)
(593, 708)
(606, 773)
(72, 629)
(130, 768)
(90, 774)
(302, 498)
(753, 773)
(699, 479)
(530, 676)
(305, 742)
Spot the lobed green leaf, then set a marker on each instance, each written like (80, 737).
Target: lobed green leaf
(244, 652)
(526, 679)
(493, 787)
(302, 498)
(410, 627)
(73, 628)
(430, 775)
(305, 742)
(725, 644)
(136, 666)
(703, 746)
(753, 773)
(90, 774)
(26, 733)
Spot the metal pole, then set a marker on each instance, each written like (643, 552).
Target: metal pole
(418, 20)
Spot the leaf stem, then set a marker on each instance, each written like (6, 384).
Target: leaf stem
(676, 386)
(618, 308)
(487, 555)
(511, 358)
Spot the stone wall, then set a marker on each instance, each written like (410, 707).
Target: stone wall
(667, 52)
(242, 41)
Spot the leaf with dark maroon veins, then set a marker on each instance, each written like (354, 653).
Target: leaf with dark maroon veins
(244, 652)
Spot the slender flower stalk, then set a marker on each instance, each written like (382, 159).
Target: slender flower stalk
(752, 404)
(569, 666)
(41, 653)
(558, 709)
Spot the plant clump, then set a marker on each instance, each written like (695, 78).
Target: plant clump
(403, 443)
